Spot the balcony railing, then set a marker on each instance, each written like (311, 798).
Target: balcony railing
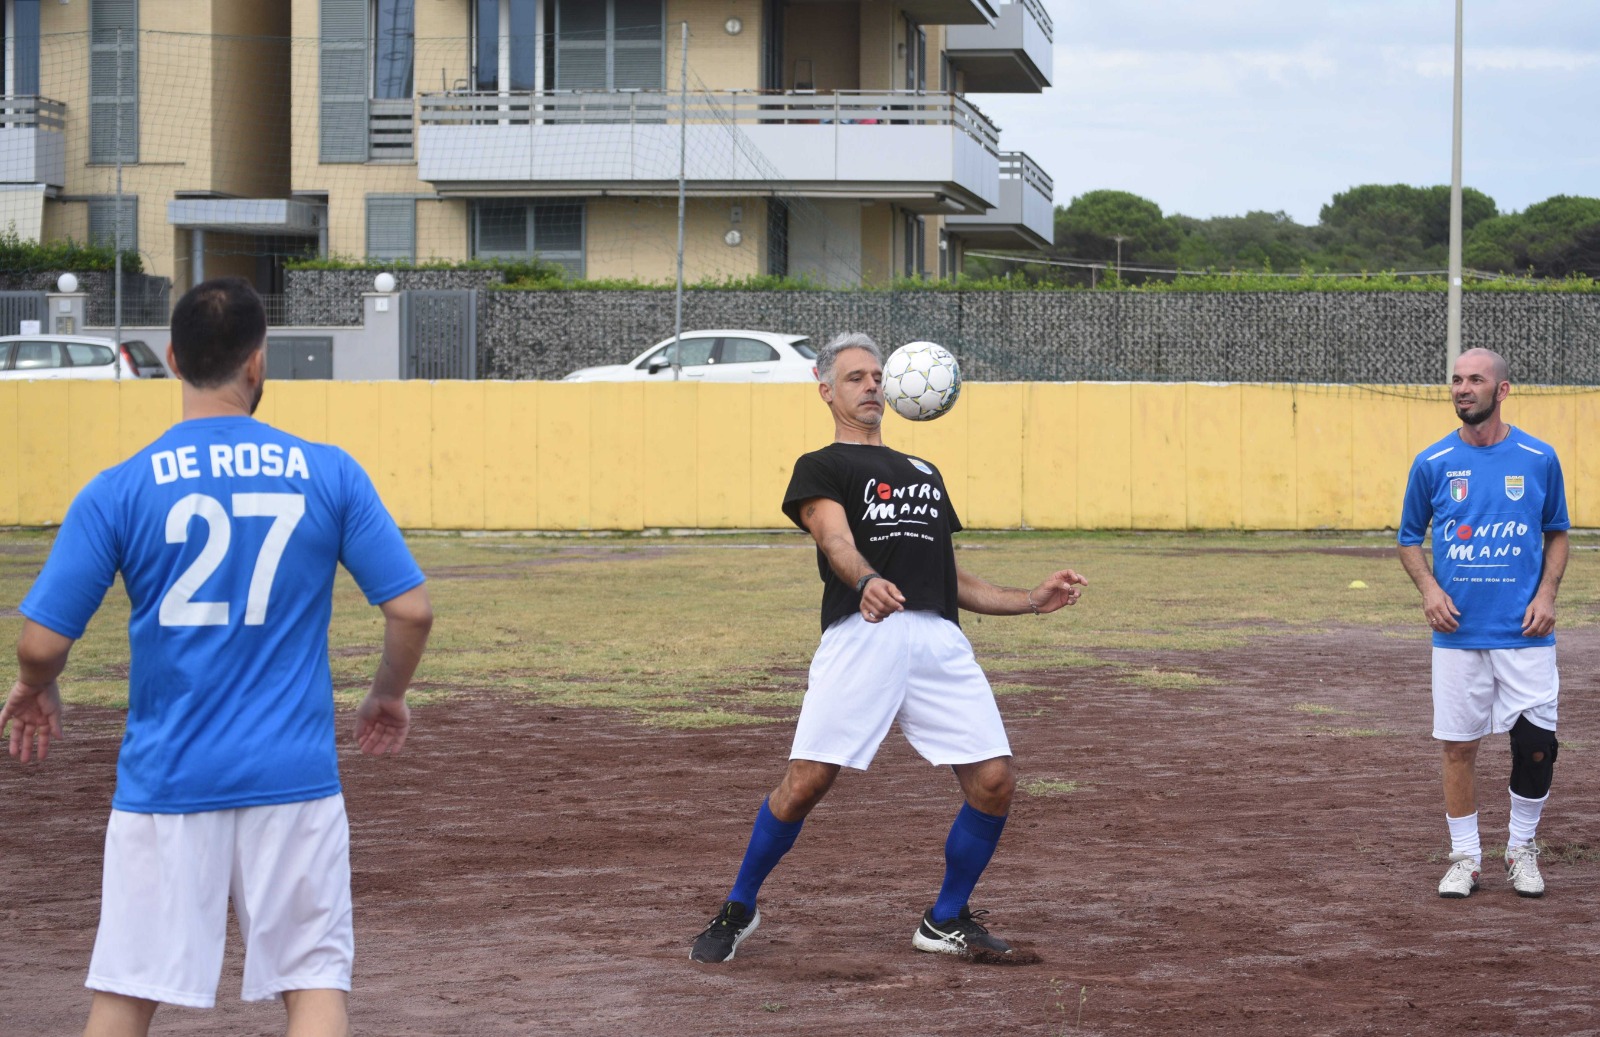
(732, 107)
(934, 151)
(1040, 15)
(1016, 165)
(1014, 55)
(390, 130)
(1025, 215)
(28, 112)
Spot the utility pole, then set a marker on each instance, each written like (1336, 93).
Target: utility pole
(1452, 326)
(683, 183)
(1119, 239)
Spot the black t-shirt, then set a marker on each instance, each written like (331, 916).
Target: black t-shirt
(901, 518)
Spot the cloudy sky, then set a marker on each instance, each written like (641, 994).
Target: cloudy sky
(1217, 107)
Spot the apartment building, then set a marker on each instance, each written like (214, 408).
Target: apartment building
(836, 140)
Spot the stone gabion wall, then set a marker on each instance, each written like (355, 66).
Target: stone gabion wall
(332, 298)
(146, 299)
(1336, 337)
(1332, 337)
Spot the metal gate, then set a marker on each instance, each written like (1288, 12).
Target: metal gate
(439, 331)
(16, 307)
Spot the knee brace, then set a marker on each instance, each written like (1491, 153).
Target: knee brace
(1533, 759)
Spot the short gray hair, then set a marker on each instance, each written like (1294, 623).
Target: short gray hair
(838, 344)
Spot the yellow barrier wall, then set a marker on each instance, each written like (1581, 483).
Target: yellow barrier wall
(549, 455)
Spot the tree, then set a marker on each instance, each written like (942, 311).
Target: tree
(1552, 238)
(1088, 227)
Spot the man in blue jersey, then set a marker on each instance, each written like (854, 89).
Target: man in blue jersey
(227, 534)
(1498, 507)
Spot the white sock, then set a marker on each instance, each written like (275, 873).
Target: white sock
(1525, 819)
(1464, 835)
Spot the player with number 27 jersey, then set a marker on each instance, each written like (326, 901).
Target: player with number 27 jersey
(227, 532)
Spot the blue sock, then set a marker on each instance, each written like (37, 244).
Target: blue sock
(770, 839)
(973, 837)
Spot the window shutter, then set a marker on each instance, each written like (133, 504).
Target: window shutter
(113, 97)
(391, 227)
(342, 81)
(581, 45)
(103, 222)
(639, 55)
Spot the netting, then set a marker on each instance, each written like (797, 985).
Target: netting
(404, 134)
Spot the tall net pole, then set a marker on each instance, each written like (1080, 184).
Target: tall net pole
(116, 232)
(1452, 332)
(683, 188)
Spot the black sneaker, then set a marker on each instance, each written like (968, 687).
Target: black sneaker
(960, 935)
(725, 933)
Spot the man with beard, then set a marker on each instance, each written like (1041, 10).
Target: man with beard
(227, 534)
(1498, 507)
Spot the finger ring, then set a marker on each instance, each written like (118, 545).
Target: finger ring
(871, 614)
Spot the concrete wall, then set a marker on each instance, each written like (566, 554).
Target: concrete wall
(498, 455)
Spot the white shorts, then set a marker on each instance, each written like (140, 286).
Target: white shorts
(914, 667)
(164, 902)
(1482, 691)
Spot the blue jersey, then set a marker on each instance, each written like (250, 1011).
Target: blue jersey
(227, 533)
(1490, 508)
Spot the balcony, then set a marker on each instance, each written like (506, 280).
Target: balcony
(32, 146)
(931, 153)
(389, 130)
(1013, 56)
(1026, 215)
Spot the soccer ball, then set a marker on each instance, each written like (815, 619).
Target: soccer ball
(921, 381)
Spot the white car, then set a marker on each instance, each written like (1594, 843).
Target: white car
(716, 356)
(39, 357)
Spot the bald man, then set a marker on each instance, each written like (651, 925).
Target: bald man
(1495, 499)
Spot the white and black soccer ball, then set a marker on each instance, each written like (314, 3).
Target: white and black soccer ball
(921, 381)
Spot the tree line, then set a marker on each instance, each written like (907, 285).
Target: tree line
(1370, 228)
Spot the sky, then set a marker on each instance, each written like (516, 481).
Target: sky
(1220, 107)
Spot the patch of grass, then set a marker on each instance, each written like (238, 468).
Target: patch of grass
(1356, 732)
(1316, 710)
(706, 631)
(1050, 786)
(1158, 678)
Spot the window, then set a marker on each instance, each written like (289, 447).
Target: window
(611, 45)
(916, 56)
(506, 52)
(393, 35)
(87, 354)
(696, 352)
(391, 227)
(104, 222)
(113, 80)
(19, 58)
(746, 351)
(36, 356)
(343, 128)
(550, 230)
(915, 241)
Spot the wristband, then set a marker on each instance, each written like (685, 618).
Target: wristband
(861, 584)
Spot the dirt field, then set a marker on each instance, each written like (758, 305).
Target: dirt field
(1254, 857)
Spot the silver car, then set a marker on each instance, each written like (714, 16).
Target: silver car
(45, 357)
(716, 356)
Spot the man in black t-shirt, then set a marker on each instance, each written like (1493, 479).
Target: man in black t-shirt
(892, 650)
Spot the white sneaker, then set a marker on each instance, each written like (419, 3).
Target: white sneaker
(1462, 878)
(1522, 870)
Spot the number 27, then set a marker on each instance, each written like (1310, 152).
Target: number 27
(178, 609)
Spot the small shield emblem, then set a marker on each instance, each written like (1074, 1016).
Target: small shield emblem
(1458, 490)
(1514, 487)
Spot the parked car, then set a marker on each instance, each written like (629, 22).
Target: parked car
(716, 356)
(75, 356)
